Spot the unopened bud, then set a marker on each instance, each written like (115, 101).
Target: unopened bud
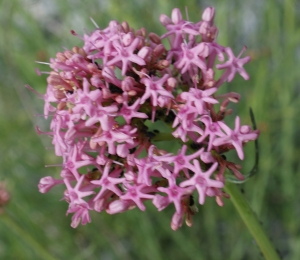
(189, 220)
(75, 49)
(132, 93)
(165, 20)
(93, 144)
(245, 129)
(92, 67)
(235, 171)
(162, 64)
(159, 50)
(141, 32)
(224, 104)
(100, 205)
(119, 99)
(176, 16)
(58, 94)
(47, 183)
(154, 38)
(219, 201)
(171, 82)
(68, 54)
(129, 176)
(208, 14)
(206, 157)
(58, 83)
(141, 42)
(144, 52)
(118, 206)
(127, 39)
(176, 221)
(125, 26)
(61, 57)
(61, 105)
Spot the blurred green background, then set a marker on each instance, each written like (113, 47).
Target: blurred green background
(35, 30)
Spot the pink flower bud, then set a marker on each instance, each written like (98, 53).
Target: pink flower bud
(165, 20)
(176, 16)
(160, 202)
(206, 157)
(47, 183)
(245, 129)
(155, 38)
(177, 220)
(159, 50)
(144, 52)
(172, 82)
(127, 38)
(118, 206)
(208, 14)
(122, 150)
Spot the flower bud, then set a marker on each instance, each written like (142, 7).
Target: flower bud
(127, 38)
(177, 220)
(154, 38)
(125, 26)
(144, 52)
(165, 20)
(176, 16)
(118, 206)
(159, 50)
(208, 14)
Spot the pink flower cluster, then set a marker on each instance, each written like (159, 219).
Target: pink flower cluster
(103, 99)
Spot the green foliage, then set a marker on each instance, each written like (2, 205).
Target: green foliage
(35, 30)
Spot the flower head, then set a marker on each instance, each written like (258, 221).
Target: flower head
(115, 98)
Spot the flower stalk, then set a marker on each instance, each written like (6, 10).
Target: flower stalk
(251, 221)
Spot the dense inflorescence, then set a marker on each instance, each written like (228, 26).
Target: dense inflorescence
(109, 100)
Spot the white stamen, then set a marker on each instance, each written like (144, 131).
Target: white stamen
(118, 163)
(186, 13)
(41, 62)
(93, 21)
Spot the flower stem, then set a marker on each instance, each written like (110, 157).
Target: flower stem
(26, 237)
(252, 222)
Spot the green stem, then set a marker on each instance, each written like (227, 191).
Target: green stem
(252, 222)
(26, 237)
